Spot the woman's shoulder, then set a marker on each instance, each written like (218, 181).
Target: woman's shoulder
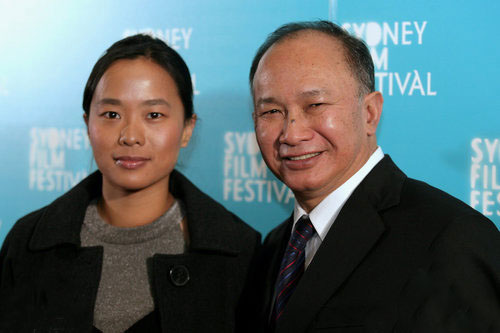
(203, 210)
(18, 237)
(26, 223)
(53, 217)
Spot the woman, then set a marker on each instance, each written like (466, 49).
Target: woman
(135, 246)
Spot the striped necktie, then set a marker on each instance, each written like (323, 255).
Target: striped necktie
(292, 264)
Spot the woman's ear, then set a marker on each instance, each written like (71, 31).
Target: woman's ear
(86, 120)
(187, 132)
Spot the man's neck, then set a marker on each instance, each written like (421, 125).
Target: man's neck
(309, 201)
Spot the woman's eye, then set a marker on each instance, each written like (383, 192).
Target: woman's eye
(111, 115)
(154, 115)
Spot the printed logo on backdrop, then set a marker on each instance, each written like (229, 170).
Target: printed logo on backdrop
(383, 40)
(178, 38)
(51, 152)
(484, 176)
(246, 177)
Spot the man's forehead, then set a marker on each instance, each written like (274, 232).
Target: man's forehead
(308, 55)
(304, 93)
(305, 49)
(316, 38)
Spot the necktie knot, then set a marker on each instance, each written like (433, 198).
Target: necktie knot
(303, 232)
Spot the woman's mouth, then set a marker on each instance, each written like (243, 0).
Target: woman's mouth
(130, 162)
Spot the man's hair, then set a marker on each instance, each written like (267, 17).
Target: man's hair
(357, 55)
(150, 48)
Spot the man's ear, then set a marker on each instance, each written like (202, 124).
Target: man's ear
(372, 109)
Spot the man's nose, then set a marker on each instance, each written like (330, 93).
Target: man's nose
(132, 133)
(296, 128)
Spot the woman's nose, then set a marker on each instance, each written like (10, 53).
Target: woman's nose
(132, 134)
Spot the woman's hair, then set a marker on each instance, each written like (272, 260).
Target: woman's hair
(153, 49)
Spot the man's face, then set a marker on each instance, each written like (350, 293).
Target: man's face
(312, 127)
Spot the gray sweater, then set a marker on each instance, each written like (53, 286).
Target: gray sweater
(124, 294)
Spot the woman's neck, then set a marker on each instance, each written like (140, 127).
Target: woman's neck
(128, 209)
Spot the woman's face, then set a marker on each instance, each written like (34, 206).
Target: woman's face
(136, 125)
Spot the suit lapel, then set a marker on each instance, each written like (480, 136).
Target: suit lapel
(354, 233)
(271, 256)
(350, 239)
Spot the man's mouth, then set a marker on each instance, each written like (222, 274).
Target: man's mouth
(301, 157)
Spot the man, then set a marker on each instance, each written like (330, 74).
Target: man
(366, 248)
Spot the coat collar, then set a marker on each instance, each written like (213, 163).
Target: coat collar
(208, 225)
(61, 221)
(354, 233)
(209, 230)
(383, 185)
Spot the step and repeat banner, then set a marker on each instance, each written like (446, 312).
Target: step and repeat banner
(436, 64)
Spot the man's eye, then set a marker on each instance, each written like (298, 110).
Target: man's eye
(269, 112)
(316, 105)
(154, 115)
(111, 115)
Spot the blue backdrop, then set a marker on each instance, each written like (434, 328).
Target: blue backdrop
(436, 65)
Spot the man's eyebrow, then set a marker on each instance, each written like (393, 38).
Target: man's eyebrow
(307, 93)
(156, 101)
(313, 92)
(266, 100)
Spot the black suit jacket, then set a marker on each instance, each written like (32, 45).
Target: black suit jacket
(402, 256)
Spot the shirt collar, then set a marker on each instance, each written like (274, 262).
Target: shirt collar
(325, 213)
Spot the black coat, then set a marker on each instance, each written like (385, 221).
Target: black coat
(48, 281)
(401, 256)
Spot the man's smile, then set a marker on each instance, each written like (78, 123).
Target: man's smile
(301, 157)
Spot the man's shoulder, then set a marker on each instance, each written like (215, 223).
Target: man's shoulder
(389, 186)
(413, 209)
(440, 217)
(421, 197)
(461, 269)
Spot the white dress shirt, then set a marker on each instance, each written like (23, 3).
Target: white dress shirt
(324, 214)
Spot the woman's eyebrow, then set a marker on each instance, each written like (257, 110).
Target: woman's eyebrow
(149, 102)
(156, 101)
(109, 101)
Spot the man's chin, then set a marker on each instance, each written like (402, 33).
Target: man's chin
(303, 189)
